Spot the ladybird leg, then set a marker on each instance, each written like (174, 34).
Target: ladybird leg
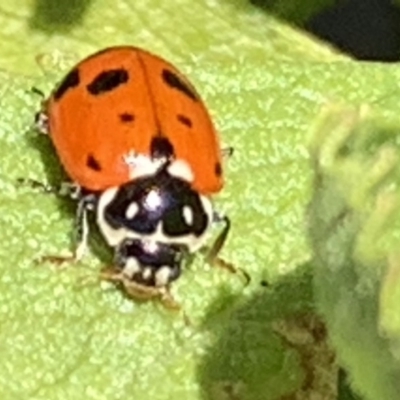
(65, 189)
(212, 256)
(46, 188)
(168, 300)
(220, 240)
(41, 122)
(111, 274)
(140, 292)
(85, 204)
(227, 151)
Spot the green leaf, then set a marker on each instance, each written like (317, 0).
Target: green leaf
(63, 335)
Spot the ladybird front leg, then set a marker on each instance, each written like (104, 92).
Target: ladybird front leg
(213, 254)
(138, 291)
(111, 274)
(168, 300)
(142, 292)
(221, 238)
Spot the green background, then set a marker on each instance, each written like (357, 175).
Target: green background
(64, 335)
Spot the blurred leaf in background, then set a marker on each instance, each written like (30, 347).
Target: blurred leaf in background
(354, 230)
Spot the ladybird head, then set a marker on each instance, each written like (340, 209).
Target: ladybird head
(153, 222)
(149, 263)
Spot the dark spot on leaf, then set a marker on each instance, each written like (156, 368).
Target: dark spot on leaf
(185, 120)
(161, 147)
(175, 82)
(69, 82)
(108, 80)
(92, 163)
(126, 117)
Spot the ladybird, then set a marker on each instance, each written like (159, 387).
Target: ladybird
(138, 144)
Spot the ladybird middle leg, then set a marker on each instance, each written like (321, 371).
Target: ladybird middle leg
(86, 203)
(64, 189)
(34, 184)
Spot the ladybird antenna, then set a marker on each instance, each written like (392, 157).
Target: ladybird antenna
(220, 240)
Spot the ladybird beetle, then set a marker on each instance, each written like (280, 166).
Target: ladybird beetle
(138, 144)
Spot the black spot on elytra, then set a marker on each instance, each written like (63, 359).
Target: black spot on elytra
(218, 169)
(184, 120)
(92, 163)
(175, 82)
(161, 147)
(69, 82)
(107, 80)
(126, 117)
